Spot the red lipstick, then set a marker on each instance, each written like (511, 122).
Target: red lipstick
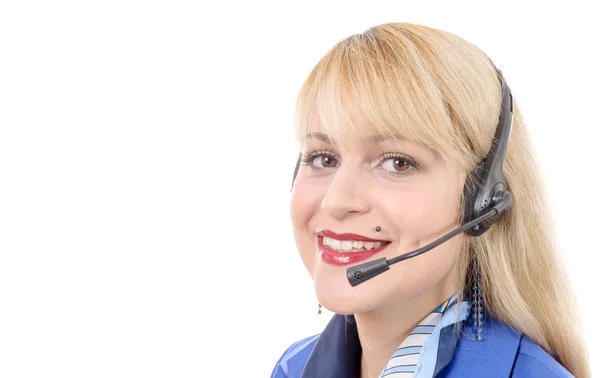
(331, 256)
(347, 236)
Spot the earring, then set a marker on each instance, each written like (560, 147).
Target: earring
(319, 312)
(477, 303)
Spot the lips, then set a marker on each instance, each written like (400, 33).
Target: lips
(347, 236)
(333, 257)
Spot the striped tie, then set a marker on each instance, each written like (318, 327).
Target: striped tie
(403, 362)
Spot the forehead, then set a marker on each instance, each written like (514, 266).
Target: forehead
(343, 127)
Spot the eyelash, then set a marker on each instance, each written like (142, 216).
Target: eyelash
(309, 158)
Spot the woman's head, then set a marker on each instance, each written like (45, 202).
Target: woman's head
(387, 139)
(391, 122)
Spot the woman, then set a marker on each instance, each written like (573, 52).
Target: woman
(395, 126)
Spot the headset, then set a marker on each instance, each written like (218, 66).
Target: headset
(486, 195)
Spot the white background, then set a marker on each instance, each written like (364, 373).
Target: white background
(146, 154)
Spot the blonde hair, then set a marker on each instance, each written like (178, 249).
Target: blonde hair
(433, 88)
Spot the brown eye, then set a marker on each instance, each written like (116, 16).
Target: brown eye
(319, 160)
(401, 165)
(397, 165)
(328, 162)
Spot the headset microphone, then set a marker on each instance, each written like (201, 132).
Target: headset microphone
(486, 196)
(363, 272)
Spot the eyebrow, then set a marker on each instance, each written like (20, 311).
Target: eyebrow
(320, 136)
(324, 138)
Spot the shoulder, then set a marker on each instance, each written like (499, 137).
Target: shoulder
(533, 361)
(292, 361)
(504, 352)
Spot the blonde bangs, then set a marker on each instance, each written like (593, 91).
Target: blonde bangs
(366, 86)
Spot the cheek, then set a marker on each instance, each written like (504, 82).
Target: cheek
(424, 213)
(305, 203)
(419, 218)
(412, 216)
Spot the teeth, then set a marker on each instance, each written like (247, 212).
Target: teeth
(350, 245)
(335, 244)
(346, 245)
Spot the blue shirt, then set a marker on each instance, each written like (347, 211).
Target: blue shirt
(503, 352)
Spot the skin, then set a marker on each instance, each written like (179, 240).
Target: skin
(352, 188)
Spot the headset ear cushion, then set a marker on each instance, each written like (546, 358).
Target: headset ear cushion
(472, 188)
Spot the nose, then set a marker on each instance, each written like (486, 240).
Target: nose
(346, 193)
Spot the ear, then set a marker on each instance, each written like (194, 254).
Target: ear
(472, 188)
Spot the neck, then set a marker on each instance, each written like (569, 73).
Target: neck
(381, 331)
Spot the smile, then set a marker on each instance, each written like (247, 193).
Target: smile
(351, 245)
(344, 249)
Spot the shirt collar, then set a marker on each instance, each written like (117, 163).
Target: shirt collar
(407, 355)
(337, 351)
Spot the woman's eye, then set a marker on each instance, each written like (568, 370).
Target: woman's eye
(325, 161)
(320, 160)
(397, 165)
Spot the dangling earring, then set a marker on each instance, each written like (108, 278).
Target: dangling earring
(477, 303)
(319, 312)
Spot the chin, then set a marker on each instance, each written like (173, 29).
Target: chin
(336, 295)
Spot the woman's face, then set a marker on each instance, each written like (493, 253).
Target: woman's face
(351, 188)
